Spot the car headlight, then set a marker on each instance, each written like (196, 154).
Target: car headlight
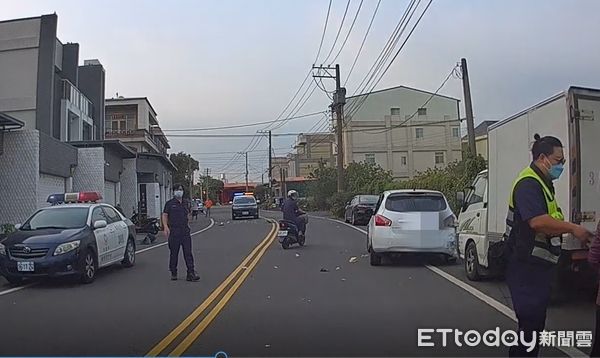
(66, 247)
(2, 250)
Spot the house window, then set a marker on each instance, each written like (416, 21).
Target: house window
(403, 161)
(370, 158)
(395, 111)
(419, 133)
(422, 111)
(439, 157)
(456, 132)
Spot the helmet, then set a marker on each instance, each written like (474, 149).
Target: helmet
(292, 194)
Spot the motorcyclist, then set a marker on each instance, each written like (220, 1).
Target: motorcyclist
(291, 212)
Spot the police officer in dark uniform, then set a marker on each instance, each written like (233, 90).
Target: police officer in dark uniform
(535, 224)
(175, 217)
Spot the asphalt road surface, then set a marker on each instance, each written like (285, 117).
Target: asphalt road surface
(256, 299)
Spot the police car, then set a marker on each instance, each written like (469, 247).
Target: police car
(76, 236)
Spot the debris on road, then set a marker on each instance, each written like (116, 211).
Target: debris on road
(221, 224)
(324, 270)
(297, 255)
(364, 255)
(268, 297)
(353, 259)
(275, 267)
(244, 267)
(267, 346)
(337, 268)
(343, 279)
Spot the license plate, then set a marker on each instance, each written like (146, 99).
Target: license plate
(245, 212)
(282, 233)
(25, 266)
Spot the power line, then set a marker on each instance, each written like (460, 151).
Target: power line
(241, 125)
(349, 31)
(324, 31)
(363, 42)
(337, 36)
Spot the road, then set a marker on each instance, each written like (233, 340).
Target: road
(256, 299)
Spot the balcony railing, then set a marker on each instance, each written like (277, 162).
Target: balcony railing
(72, 93)
(142, 134)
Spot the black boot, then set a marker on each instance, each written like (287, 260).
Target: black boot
(192, 276)
(173, 276)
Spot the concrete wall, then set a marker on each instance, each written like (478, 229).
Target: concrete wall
(19, 51)
(129, 187)
(113, 166)
(56, 158)
(89, 173)
(49, 184)
(92, 83)
(19, 173)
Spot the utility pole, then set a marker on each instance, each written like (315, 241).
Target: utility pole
(339, 100)
(468, 106)
(206, 180)
(270, 166)
(191, 179)
(246, 172)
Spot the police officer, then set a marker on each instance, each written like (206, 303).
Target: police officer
(535, 224)
(175, 217)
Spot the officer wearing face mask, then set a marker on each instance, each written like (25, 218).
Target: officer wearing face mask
(535, 225)
(175, 218)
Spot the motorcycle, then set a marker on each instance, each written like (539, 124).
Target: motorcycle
(144, 225)
(288, 234)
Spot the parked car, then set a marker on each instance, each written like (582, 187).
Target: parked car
(412, 221)
(244, 206)
(360, 209)
(68, 239)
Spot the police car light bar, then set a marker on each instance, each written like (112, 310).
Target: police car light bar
(81, 197)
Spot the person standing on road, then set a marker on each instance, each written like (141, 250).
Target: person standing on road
(207, 205)
(535, 224)
(175, 217)
(195, 208)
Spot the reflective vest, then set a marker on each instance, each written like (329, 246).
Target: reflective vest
(544, 247)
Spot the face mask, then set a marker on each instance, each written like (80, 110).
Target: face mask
(179, 193)
(555, 170)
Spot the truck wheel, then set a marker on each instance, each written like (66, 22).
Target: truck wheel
(472, 267)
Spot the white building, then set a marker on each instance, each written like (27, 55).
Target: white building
(402, 129)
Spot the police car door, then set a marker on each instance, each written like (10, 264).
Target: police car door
(101, 235)
(117, 234)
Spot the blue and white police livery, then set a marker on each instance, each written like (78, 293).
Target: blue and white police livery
(76, 238)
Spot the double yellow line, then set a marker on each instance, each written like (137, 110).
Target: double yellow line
(238, 275)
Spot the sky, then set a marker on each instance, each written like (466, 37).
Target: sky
(228, 62)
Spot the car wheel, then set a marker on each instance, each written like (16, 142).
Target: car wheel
(472, 262)
(14, 280)
(90, 267)
(375, 258)
(129, 259)
(353, 219)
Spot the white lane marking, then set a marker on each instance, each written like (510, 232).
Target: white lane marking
(500, 307)
(15, 289)
(212, 223)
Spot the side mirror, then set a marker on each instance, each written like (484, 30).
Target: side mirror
(231, 202)
(18, 226)
(99, 224)
(258, 201)
(460, 196)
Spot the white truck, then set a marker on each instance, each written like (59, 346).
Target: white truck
(573, 116)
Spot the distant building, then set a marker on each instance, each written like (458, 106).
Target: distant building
(481, 139)
(311, 150)
(395, 129)
(134, 122)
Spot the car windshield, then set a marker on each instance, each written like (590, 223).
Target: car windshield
(58, 218)
(415, 203)
(244, 200)
(369, 199)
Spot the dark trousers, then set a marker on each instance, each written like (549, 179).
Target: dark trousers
(301, 223)
(596, 346)
(181, 240)
(530, 286)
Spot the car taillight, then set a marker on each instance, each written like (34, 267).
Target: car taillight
(450, 221)
(381, 220)
(282, 225)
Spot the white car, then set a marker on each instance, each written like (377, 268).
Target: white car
(412, 221)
